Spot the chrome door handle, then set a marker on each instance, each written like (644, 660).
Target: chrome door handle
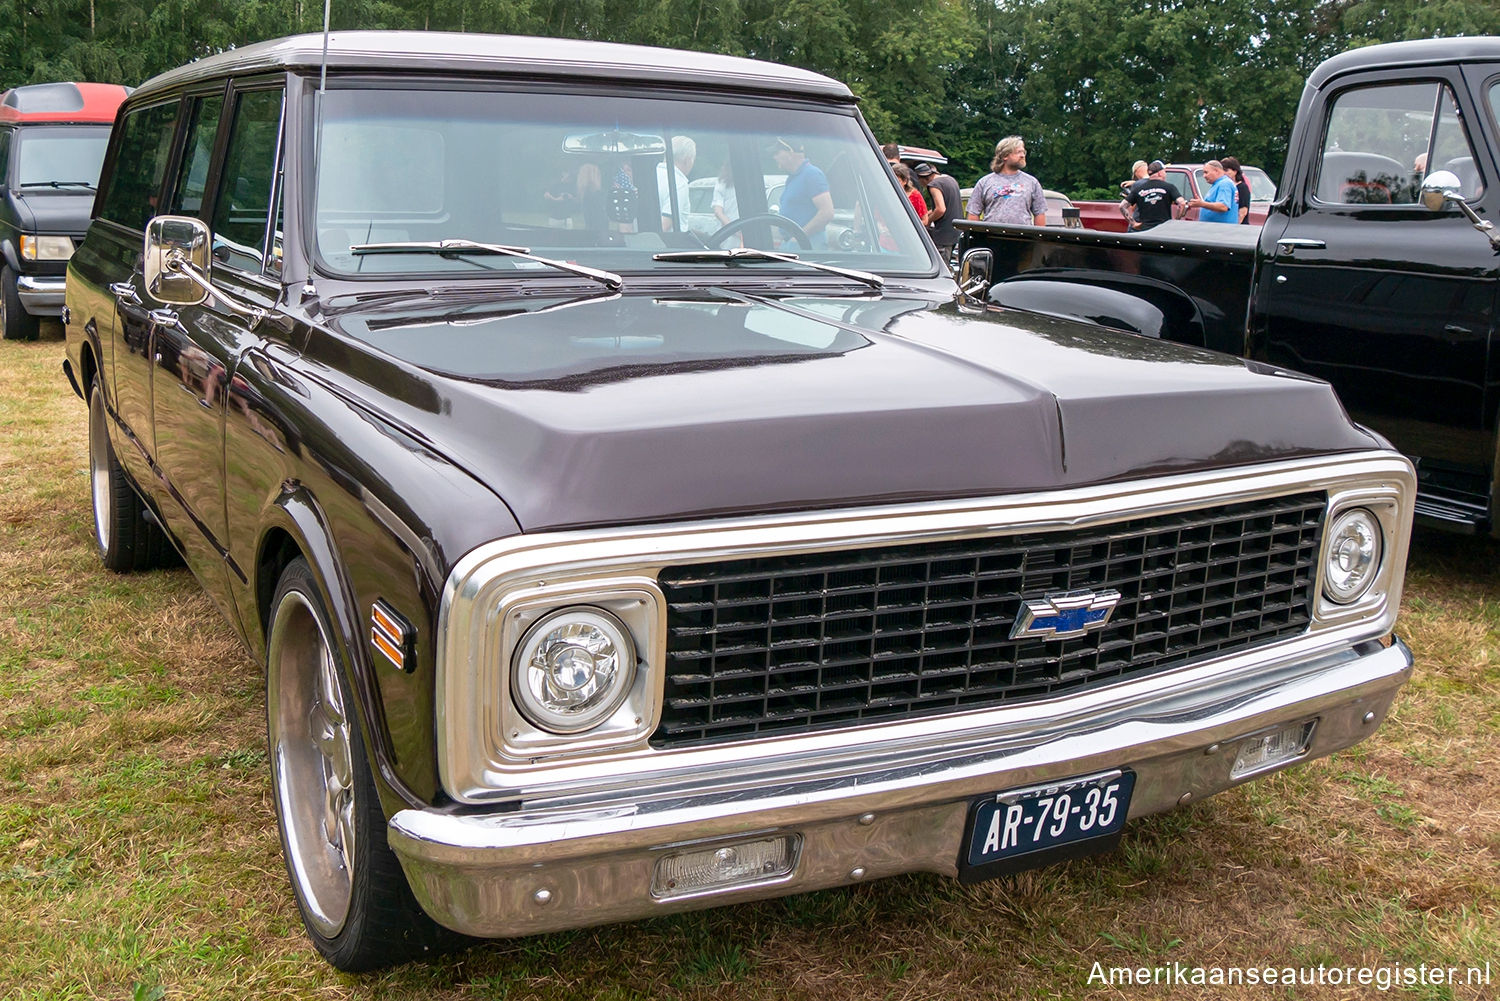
(164, 317)
(1290, 244)
(125, 292)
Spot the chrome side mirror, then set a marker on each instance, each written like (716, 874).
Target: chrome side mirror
(1440, 187)
(177, 246)
(974, 272)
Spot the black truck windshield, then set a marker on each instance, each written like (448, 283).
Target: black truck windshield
(71, 155)
(604, 181)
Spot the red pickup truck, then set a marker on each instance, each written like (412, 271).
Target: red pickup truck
(1188, 179)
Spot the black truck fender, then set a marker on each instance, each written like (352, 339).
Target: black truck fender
(1121, 302)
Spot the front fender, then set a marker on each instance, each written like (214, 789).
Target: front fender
(296, 520)
(1120, 302)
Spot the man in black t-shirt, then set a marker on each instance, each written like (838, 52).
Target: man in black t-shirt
(1153, 198)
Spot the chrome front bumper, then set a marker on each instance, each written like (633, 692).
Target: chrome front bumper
(576, 861)
(41, 296)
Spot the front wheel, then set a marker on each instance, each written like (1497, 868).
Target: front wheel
(15, 323)
(351, 892)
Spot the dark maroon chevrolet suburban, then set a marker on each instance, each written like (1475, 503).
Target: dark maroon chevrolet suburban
(605, 566)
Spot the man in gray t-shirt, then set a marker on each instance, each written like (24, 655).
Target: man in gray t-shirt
(1008, 193)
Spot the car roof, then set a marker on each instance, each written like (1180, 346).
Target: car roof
(531, 58)
(1393, 55)
(920, 154)
(62, 102)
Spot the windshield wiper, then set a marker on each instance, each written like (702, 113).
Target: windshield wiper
(458, 248)
(58, 184)
(735, 254)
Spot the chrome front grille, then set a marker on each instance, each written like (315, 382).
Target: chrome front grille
(795, 643)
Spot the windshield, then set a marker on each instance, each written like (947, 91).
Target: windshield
(601, 181)
(60, 154)
(1262, 188)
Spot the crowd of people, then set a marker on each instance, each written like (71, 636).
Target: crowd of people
(1008, 194)
(1149, 199)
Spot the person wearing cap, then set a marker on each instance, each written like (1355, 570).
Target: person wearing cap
(1152, 200)
(1007, 193)
(1138, 172)
(945, 208)
(805, 198)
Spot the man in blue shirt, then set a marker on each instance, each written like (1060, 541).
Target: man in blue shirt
(1222, 203)
(805, 199)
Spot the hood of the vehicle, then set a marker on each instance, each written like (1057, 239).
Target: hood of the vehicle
(627, 409)
(50, 210)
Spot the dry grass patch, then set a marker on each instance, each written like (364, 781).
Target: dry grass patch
(138, 854)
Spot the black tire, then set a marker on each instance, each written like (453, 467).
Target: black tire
(15, 323)
(126, 538)
(355, 903)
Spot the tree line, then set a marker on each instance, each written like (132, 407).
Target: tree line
(1091, 85)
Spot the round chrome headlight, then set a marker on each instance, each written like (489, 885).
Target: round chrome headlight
(1353, 556)
(573, 669)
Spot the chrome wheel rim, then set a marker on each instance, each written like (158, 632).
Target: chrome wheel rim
(312, 763)
(99, 470)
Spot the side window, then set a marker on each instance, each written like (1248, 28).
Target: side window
(1381, 141)
(1451, 149)
(1179, 180)
(141, 154)
(242, 211)
(197, 153)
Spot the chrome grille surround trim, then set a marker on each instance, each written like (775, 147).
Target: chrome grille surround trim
(473, 665)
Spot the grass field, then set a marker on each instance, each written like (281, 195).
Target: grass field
(139, 857)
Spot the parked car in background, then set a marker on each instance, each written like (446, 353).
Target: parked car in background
(1187, 178)
(600, 574)
(52, 140)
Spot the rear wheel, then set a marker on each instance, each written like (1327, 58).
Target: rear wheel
(127, 540)
(15, 323)
(353, 896)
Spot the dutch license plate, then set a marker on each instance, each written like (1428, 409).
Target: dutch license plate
(1038, 825)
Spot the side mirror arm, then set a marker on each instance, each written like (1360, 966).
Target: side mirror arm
(178, 264)
(1442, 188)
(1483, 225)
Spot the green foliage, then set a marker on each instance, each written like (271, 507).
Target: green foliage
(1091, 86)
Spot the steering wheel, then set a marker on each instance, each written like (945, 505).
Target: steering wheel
(729, 229)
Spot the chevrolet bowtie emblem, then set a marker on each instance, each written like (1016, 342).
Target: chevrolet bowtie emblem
(1062, 614)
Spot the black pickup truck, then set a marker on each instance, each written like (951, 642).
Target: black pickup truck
(1368, 271)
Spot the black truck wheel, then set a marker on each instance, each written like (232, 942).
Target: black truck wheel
(15, 323)
(350, 890)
